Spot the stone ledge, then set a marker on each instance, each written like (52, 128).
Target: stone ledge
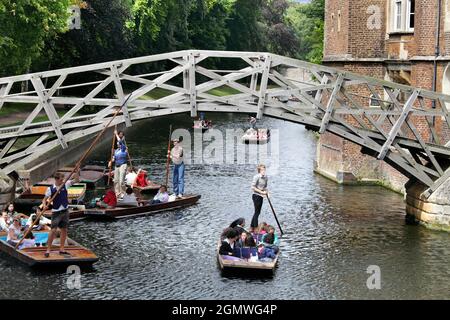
(429, 220)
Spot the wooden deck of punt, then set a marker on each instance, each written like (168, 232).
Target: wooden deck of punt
(92, 178)
(34, 257)
(151, 188)
(228, 265)
(127, 212)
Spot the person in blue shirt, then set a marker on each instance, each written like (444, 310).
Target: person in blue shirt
(120, 159)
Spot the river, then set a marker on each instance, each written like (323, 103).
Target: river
(333, 233)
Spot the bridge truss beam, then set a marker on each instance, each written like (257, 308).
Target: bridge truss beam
(384, 118)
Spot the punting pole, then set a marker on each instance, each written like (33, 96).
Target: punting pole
(168, 157)
(274, 214)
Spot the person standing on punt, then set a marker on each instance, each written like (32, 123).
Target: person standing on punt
(60, 210)
(259, 188)
(176, 154)
(120, 168)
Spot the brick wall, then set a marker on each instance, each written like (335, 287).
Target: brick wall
(365, 42)
(336, 41)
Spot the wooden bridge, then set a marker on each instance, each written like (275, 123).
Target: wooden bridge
(404, 126)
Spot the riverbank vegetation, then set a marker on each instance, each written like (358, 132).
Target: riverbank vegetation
(35, 34)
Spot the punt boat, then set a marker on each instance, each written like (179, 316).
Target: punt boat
(259, 136)
(227, 263)
(34, 257)
(93, 176)
(203, 125)
(33, 197)
(144, 209)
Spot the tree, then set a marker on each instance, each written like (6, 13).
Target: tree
(307, 20)
(281, 38)
(103, 36)
(246, 29)
(25, 25)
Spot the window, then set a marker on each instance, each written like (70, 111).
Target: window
(339, 21)
(403, 12)
(374, 101)
(410, 14)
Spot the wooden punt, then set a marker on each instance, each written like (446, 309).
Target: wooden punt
(152, 188)
(250, 136)
(198, 125)
(93, 178)
(29, 199)
(127, 212)
(76, 213)
(34, 257)
(244, 264)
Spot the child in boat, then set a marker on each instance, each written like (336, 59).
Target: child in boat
(227, 245)
(109, 200)
(129, 198)
(131, 176)
(28, 242)
(162, 196)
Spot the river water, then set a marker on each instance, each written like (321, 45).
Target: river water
(333, 234)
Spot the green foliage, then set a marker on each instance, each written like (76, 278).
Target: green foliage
(307, 20)
(24, 27)
(119, 29)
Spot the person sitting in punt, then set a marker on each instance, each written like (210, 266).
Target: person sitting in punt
(109, 200)
(129, 198)
(5, 222)
(14, 232)
(131, 176)
(227, 245)
(246, 240)
(28, 242)
(141, 179)
(267, 249)
(41, 225)
(276, 240)
(11, 212)
(238, 225)
(162, 196)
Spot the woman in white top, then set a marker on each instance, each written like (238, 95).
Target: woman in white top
(14, 232)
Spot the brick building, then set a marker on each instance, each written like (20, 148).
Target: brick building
(394, 40)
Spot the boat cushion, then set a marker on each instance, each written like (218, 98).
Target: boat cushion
(38, 237)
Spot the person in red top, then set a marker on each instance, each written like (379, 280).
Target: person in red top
(109, 200)
(141, 179)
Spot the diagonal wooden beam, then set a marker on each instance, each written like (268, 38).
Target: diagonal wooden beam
(395, 129)
(330, 106)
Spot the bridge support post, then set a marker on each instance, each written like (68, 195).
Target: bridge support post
(433, 211)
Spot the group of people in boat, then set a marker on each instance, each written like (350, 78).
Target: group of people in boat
(110, 201)
(16, 225)
(262, 244)
(260, 236)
